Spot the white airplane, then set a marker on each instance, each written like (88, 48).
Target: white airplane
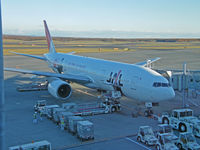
(136, 81)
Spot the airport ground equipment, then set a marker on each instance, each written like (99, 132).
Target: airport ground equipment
(86, 109)
(50, 111)
(65, 116)
(38, 86)
(146, 135)
(48, 108)
(111, 105)
(183, 120)
(148, 112)
(69, 106)
(56, 112)
(110, 95)
(166, 141)
(40, 105)
(41, 145)
(73, 123)
(187, 141)
(165, 128)
(85, 130)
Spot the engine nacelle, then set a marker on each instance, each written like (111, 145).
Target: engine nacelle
(59, 89)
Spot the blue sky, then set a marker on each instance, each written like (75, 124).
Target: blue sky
(158, 17)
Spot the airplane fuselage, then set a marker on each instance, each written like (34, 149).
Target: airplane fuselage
(133, 81)
(136, 82)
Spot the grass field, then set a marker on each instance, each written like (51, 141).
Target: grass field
(38, 45)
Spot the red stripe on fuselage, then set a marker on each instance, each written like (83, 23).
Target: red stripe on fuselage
(117, 77)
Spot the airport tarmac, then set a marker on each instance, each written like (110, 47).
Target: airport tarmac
(112, 131)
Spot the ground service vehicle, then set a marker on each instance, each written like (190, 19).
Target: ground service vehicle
(187, 141)
(146, 135)
(165, 128)
(183, 120)
(166, 141)
(40, 105)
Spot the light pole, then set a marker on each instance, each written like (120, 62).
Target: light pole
(2, 116)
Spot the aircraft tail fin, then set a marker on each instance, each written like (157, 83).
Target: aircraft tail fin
(51, 46)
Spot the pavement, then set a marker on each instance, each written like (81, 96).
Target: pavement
(112, 131)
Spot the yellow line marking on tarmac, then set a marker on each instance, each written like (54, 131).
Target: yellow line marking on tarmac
(127, 107)
(78, 90)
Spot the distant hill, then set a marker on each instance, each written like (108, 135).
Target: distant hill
(31, 38)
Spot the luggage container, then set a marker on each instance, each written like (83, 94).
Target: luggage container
(50, 112)
(65, 115)
(69, 106)
(85, 130)
(73, 123)
(47, 108)
(14, 148)
(41, 145)
(56, 112)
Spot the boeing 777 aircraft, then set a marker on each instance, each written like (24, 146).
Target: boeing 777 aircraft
(136, 81)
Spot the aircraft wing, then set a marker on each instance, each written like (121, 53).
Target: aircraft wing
(70, 77)
(145, 63)
(33, 56)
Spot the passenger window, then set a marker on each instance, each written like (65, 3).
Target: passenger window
(155, 84)
(164, 85)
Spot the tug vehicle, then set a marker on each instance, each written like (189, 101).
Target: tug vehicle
(183, 120)
(146, 135)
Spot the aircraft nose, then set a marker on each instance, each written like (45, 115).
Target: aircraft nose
(165, 94)
(171, 93)
(168, 94)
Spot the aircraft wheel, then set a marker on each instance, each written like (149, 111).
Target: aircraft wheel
(182, 127)
(146, 114)
(165, 120)
(139, 138)
(158, 147)
(179, 146)
(113, 109)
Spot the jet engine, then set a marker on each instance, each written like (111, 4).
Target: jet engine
(59, 89)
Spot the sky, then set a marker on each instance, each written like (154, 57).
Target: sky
(103, 18)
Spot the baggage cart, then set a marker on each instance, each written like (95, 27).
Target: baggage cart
(65, 115)
(73, 123)
(85, 130)
(56, 112)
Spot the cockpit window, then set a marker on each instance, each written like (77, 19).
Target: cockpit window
(160, 84)
(164, 84)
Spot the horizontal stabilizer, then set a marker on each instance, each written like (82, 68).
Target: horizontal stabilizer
(70, 77)
(33, 56)
(70, 53)
(148, 62)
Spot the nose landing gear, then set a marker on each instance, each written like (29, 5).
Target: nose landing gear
(148, 111)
